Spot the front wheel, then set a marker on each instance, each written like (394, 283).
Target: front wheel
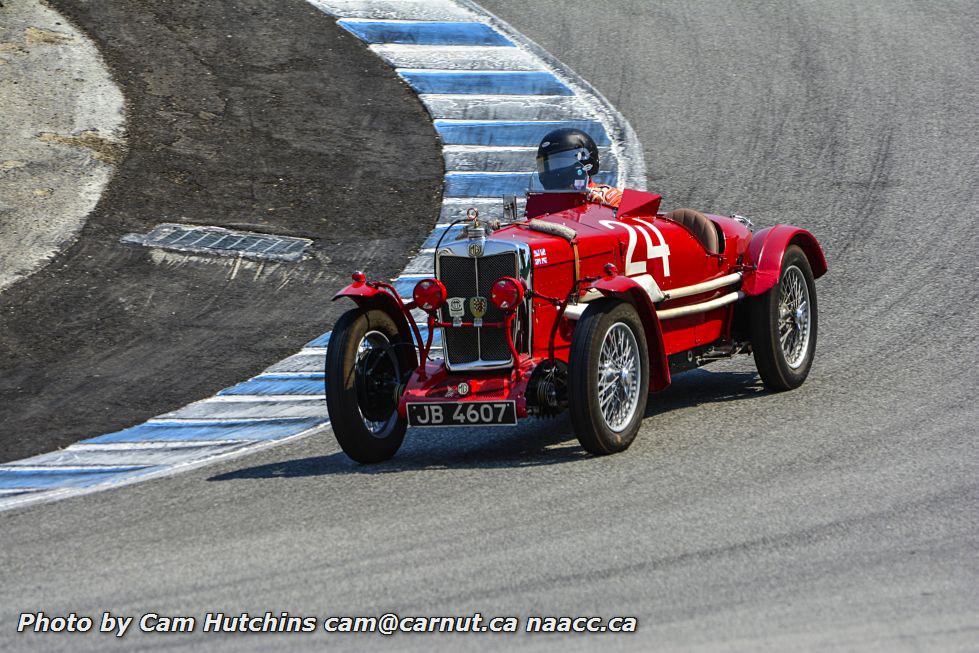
(366, 364)
(608, 377)
(783, 325)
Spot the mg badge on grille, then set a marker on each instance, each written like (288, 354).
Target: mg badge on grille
(475, 249)
(478, 306)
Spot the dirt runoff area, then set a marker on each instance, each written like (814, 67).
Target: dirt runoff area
(253, 115)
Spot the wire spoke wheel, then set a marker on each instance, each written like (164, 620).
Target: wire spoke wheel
(794, 317)
(608, 377)
(367, 362)
(618, 372)
(783, 324)
(377, 378)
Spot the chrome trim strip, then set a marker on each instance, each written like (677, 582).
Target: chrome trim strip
(703, 307)
(706, 286)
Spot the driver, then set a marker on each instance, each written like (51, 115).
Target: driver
(567, 159)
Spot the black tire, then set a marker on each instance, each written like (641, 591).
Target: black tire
(363, 385)
(771, 321)
(591, 425)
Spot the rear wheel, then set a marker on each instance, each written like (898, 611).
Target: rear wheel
(783, 325)
(367, 363)
(608, 377)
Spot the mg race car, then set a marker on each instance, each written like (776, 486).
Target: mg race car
(580, 306)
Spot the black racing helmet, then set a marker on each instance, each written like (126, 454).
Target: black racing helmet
(566, 158)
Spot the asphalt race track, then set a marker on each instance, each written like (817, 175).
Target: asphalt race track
(841, 516)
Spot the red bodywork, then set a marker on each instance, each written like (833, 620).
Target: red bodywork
(638, 240)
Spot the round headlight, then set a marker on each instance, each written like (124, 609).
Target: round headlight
(506, 294)
(429, 294)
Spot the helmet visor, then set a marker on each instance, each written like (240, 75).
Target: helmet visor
(561, 170)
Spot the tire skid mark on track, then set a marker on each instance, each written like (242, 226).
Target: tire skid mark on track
(492, 94)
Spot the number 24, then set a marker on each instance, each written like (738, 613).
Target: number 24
(661, 251)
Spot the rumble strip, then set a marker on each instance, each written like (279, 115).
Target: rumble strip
(492, 93)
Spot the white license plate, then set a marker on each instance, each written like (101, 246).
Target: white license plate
(469, 413)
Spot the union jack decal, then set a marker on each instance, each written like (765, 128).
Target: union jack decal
(540, 256)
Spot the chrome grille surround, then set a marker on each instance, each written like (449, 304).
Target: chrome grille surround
(466, 276)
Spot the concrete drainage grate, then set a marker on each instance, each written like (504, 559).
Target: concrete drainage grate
(221, 242)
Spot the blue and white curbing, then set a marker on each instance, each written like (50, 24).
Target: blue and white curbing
(492, 94)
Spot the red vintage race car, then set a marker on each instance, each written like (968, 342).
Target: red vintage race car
(577, 307)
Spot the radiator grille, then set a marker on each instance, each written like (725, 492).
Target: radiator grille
(466, 278)
(458, 274)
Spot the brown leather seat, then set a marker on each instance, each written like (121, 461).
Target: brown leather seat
(700, 226)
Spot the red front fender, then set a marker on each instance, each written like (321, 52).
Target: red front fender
(366, 296)
(766, 250)
(629, 289)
